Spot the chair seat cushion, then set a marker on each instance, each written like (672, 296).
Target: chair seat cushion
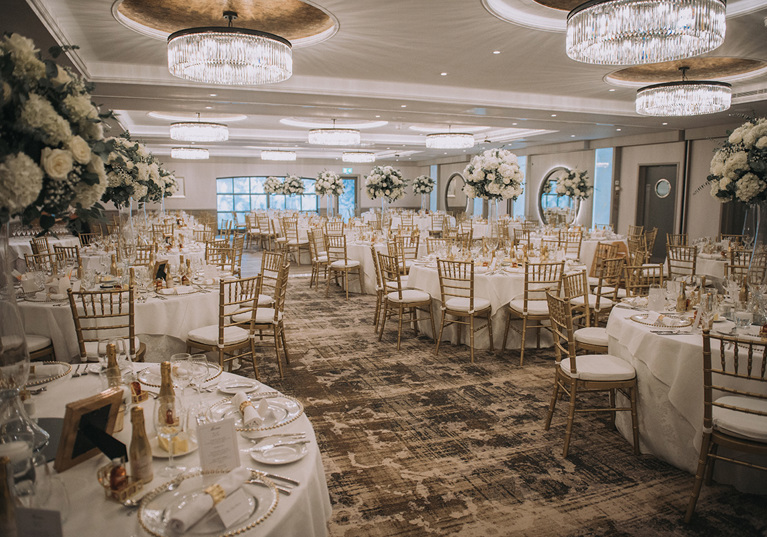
(281, 239)
(94, 349)
(208, 335)
(408, 296)
(592, 335)
(599, 367)
(462, 304)
(608, 291)
(321, 259)
(350, 263)
(263, 316)
(299, 242)
(392, 285)
(36, 343)
(534, 307)
(593, 281)
(740, 424)
(603, 302)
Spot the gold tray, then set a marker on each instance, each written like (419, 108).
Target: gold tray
(641, 318)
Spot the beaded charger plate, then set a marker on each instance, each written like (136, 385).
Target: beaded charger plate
(48, 372)
(159, 505)
(682, 322)
(152, 378)
(284, 410)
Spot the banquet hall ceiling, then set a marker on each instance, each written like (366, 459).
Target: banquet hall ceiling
(446, 63)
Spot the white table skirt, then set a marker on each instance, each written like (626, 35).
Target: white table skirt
(670, 380)
(710, 265)
(20, 246)
(305, 512)
(173, 317)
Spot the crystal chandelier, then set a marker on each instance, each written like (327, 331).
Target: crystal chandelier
(633, 32)
(449, 140)
(189, 153)
(358, 157)
(684, 98)
(199, 131)
(334, 136)
(229, 56)
(269, 154)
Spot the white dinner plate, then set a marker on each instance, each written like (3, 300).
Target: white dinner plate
(277, 453)
(231, 387)
(159, 453)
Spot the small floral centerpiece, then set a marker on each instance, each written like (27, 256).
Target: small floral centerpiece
(328, 184)
(494, 175)
(273, 185)
(739, 168)
(423, 184)
(385, 182)
(51, 148)
(574, 184)
(293, 186)
(134, 173)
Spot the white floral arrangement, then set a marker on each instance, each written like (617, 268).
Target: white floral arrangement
(273, 185)
(134, 173)
(423, 184)
(293, 186)
(385, 182)
(328, 184)
(739, 168)
(574, 184)
(494, 175)
(51, 149)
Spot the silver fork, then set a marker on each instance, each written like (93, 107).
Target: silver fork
(76, 373)
(260, 439)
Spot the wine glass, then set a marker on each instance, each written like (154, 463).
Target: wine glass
(199, 366)
(181, 370)
(707, 309)
(169, 423)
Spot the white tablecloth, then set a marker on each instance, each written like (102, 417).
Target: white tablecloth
(97, 260)
(305, 512)
(20, 246)
(710, 265)
(670, 379)
(171, 318)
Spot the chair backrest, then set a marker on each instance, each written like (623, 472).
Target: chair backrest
(540, 277)
(677, 239)
(576, 285)
(334, 227)
(235, 253)
(311, 234)
(67, 254)
(757, 271)
(406, 219)
(164, 229)
(144, 253)
(733, 238)
(87, 238)
(45, 262)
(264, 224)
(104, 314)
(289, 227)
(235, 295)
(604, 250)
(572, 242)
(522, 236)
(217, 252)
(456, 280)
(271, 264)
(407, 246)
(650, 237)
(635, 230)
(609, 278)
(335, 245)
(734, 373)
(437, 220)
(434, 245)
(639, 278)
(390, 273)
(682, 260)
(40, 245)
(377, 267)
(204, 235)
(561, 317)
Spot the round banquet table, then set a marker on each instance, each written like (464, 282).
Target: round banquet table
(99, 259)
(167, 320)
(20, 246)
(670, 401)
(304, 512)
(710, 265)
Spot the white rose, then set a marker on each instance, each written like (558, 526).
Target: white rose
(80, 149)
(57, 163)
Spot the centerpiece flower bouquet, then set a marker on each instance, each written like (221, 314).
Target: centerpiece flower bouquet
(273, 185)
(423, 184)
(494, 175)
(385, 182)
(574, 184)
(739, 168)
(293, 186)
(328, 184)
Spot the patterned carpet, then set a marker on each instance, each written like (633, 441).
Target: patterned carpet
(416, 444)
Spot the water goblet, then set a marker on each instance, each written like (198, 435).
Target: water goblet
(199, 366)
(743, 317)
(181, 370)
(169, 423)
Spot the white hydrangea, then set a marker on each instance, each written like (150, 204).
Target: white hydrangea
(494, 174)
(385, 182)
(21, 181)
(80, 109)
(88, 195)
(423, 184)
(24, 54)
(37, 114)
(273, 185)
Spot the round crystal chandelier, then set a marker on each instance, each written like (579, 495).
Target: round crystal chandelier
(189, 153)
(684, 98)
(199, 131)
(334, 136)
(449, 140)
(633, 32)
(269, 154)
(358, 156)
(229, 56)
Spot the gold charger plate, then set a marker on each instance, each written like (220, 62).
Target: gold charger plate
(150, 378)
(285, 409)
(62, 370)
(641, 318)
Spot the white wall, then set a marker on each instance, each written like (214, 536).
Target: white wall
(704, 212)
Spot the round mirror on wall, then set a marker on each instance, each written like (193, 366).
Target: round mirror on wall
(553, 209)
(456, 202)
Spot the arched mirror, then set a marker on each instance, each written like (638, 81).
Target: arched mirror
(456, 202)
(553, 209)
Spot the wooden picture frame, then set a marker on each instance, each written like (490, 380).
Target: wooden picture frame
(160, 270)
(101, 411)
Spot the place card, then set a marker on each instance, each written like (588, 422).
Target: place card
(218, 445)
(38, 523)
(233, 508)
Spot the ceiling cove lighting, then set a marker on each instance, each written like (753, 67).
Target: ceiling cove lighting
(189, 153)
(450, 140)
(633, 32)
(358, 157)
(229, 56)
(334, 136)
(269, 154)
(684, 98)
(199, 131)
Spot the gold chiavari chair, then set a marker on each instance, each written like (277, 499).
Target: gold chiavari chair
(40, 245)
(235, 253)
(531, 307)
(406, 219)
(217, 253)
(253, 232)
(593, 339)
(757, 271)
(145, 254)
(732, 238)
(587, 303)
(681, 261)
(434, 245)
(587, 374)
(639, 278)
(293, 241)
(334, 227)
(637, 247)
(87, 238)
(380, 287)
(456, 284)
(339, 263)
(268, 234)
(399, 301)
(406, 231)
(464, 240)
(67, 255)
(160, 231)
(604, 250)
(319, 259)
(649, 238)
(407, 249)
(677, 239)
(204, 235)
(635, 231)
(575, 289)
(437, 221)
(571, 243)
(734, 405)
(105, 314)
(237, 226)
(522, 237)
(41, 262)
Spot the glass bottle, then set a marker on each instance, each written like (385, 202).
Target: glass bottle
(166, 381)
(114, 377)
(7, 502)
(681, 300)
(140, 452)
(118, 475)
(113, 266)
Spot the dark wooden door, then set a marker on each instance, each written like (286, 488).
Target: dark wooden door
(656, 203)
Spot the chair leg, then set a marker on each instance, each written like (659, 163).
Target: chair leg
(327, 286)
(471, 337)
(399, 330)
(710, 465)
(439, 337)
(612, 405)
(634, 418)
(362, 278)
(346, 283)
(284, 344)
(702, 462)
(506, 330)
(383, 319)
(570, 418)
(522, 347)
(253, 357)
(490, 331)
(378, 310)
(277, 353)
(552, 404)
(431, 320)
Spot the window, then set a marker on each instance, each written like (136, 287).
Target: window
(518, 206)
(244, 194)
(434, 174)
(347, 202)
(603, 186)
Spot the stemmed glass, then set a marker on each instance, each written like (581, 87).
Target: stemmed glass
(181, 370)
(169, 422)
(199, 366)
(707, 309)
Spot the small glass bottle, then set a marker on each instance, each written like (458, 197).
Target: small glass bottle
(166, 381)
(140, 452)
(113, 266)
(681, 300)
(118, 476)
(114, 377)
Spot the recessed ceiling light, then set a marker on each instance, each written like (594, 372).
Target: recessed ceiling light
(553, 115)
(403, 106)
(378, 116)
(665, 123)
(443, 74)
(208, 108)
(496, 52)
(214, 94)
(572, 136)
(611, 89)
(618, 130)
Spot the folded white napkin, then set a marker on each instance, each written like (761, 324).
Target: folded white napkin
(179, 290)
(28, 283)
(250, 416)
(39, 371)
(198, 507)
